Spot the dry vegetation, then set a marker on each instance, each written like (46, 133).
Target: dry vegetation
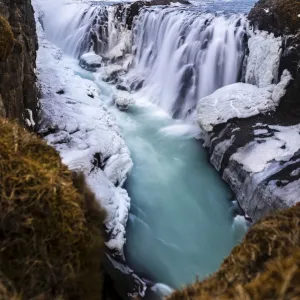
(51, 238)
(266, 265)
(6, 39)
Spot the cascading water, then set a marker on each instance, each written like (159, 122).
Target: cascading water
(78, 28)
(183, 55)
(180, 224)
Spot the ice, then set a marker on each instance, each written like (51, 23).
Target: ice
(87, 136)
(239, 100)
(264, 58)
(123, 100)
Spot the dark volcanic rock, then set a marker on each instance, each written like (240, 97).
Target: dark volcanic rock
(277, 16)
(134, 8)
(282, 17)
(17, 78)
(276, 186)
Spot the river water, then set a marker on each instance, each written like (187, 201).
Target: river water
(181, 224)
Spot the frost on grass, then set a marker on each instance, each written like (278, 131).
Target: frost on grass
(85, 134)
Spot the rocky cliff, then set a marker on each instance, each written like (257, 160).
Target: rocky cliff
(259, 155)
(18, 91)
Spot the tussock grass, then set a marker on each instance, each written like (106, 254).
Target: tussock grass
(264, 266)
(51, 240)
(6, 39)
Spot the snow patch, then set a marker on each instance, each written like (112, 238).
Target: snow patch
(90, 61)
(255, 157)
(87, 136)
(239, 100)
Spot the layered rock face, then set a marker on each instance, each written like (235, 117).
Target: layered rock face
(18, 91)
(257, 148)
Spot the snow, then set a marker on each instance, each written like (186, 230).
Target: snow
(85, 133)
(30, 122)
(255, 157)
(264, 58)
(123, 100)
(91, 58)
(122, 46)
(90, 61)
(260, 131)
(239, 100)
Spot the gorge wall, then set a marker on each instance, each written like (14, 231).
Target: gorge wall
(18, 91)
(259, 155)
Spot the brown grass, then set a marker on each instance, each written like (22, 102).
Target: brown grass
(6, 39)
(51, 238)
(265, 264)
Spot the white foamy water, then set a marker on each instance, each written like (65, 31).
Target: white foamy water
(183, 55)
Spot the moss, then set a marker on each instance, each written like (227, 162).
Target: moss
(51, 239)
(265, 249)
(6, 39)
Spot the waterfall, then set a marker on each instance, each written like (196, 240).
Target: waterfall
(183, 55)
(78, 28)
(180, 54)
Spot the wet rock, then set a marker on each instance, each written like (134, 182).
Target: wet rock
(134, 8)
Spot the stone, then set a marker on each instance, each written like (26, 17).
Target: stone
(18, 89)
(90, 61)
(6, 39)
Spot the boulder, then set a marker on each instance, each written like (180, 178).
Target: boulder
(90, 61)
(123, 100)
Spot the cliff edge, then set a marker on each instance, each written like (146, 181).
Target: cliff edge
(18, 91)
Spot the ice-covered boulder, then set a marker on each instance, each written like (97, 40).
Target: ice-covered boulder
(90, 61)
(239, 100)
(123, 100)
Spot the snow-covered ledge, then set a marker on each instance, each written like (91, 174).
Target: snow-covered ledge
(257, 158)
(259, 94)
(84, 132)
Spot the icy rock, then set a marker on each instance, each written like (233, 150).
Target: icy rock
(239, 100)
(90, 61)
(123, 100)
(264, 58)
